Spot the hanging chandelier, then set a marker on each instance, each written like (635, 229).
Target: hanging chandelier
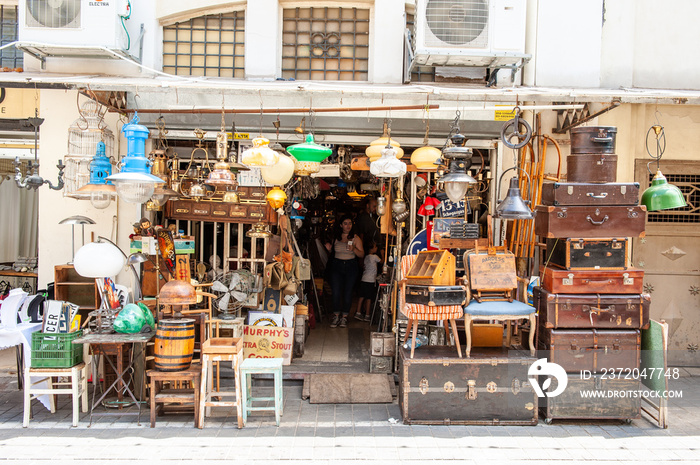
(33, 180)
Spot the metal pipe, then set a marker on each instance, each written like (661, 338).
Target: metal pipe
(276, 111)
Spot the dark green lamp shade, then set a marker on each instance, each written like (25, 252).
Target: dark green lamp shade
(661, 195)
(309, 150)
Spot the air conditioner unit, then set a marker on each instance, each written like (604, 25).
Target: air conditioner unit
(73, 22)
(486, 33)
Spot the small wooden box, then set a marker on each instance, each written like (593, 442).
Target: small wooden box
(382, 344)
(381, 364)
(436, 267)
(491, 271)
(222, 345)
(487, 335)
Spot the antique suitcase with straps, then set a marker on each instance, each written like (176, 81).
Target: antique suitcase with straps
(489, 388)
(557, 281)
(588, 254)
(591, 167)
(593, 139)
(595, 350)
(615, 311)
(435, 295)
(587, 193)
(590, 222)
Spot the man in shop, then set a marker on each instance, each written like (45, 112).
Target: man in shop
(366, 223)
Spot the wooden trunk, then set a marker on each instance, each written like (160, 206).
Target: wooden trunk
(571, 404)
(591, 167)
(586, 193)
(592, 349)
(489, 388)
(435, 295)
(629, 311)
(589, 254)
(590, 222)
(558, 281)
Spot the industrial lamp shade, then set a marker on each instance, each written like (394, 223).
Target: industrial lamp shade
(456, 181)
(177, 292)
(661, 195)
(98, 260)
(513, 207)
(280, 173)
(309, 150)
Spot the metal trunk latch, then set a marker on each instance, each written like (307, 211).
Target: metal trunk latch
(423, 385)
(568, 281)
(626, 280)
(491, 387)
(449, 386)
(471, 389)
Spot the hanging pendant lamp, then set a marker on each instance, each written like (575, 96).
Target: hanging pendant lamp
(660, 195)
(100, 191)
(374, 151)
(513, 207)
(260, 154)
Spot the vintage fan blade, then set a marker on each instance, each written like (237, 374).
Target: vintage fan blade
(218, 286)
(239, 296)
(223, 303)
(235, 279)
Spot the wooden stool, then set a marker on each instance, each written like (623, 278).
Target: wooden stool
(220, 349)
(77, 390)
(256, 366)
(174, 395)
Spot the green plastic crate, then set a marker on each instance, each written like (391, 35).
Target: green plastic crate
(56, 350)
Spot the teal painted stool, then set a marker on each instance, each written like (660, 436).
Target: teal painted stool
(257, 366)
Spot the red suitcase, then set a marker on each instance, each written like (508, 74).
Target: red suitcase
(558, 281)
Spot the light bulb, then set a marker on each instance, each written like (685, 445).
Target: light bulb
(100, 200)
(399, 206)
(135, 192)
(456, 190)
(381, 206)
(159, 199)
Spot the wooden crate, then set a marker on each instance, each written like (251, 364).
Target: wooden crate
(436, 267)
(492, 273)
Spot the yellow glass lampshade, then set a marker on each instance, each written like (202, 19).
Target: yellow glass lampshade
(260, 154)
(276, 198)
(424, 158)
(374, 151)
(280, 173)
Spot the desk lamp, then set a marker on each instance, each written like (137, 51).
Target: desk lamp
(72, 221)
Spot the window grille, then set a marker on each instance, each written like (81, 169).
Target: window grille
(418, 73)
(210, 45)
(325, 44)
(10, 57)
(689, 184)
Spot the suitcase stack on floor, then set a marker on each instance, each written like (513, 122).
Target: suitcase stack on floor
(591, 302)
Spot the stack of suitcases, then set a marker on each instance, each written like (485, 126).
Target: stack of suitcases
(591, 303)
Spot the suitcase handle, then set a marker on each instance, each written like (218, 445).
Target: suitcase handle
(597, 223)
(601, 310)
(597, 282)
(600, 196)
(601, 139)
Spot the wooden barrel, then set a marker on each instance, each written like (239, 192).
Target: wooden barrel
(174, 345)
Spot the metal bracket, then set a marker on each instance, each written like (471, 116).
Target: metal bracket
(567, 119)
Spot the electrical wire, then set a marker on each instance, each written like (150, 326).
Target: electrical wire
(122, 18)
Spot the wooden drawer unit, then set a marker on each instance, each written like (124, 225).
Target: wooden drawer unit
(201, 209)
(220, 211)
(245, 212)
(179, 208)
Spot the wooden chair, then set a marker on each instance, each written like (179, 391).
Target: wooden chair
(419, 312)
(76, 386)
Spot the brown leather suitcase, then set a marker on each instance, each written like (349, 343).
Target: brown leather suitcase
(588, 254)
(591, 167)
(557, 281)
(593, 139)
(608, 351)
(590, 222)
(619, 311)
(490, 387)
(599, 397)
(587, 193)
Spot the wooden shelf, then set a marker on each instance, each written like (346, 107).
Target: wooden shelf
(18, 274)
(69, 286)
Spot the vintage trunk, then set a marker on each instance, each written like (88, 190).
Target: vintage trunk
(381, 364)
(591, 167)
(590, 222)
(558, 281)
(622, 401)
(435, 295)
(586, 193)
(593, 139)
(589, 254)
(489, 388)
(592, 349)
(628, 311)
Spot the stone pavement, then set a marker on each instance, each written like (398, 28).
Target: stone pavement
(339, 434)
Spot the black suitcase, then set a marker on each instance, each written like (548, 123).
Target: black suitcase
(489, 388)
(587, 193)
(593, 350)
(599, 397)
(588, 254)
(433, 296)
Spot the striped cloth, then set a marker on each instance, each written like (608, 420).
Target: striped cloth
(424, 312)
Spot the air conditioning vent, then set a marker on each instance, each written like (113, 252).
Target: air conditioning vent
(54, 14)
(457, 22)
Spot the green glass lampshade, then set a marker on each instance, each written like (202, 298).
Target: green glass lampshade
(309, 150)
(661, 195)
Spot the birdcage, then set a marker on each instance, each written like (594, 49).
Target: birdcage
(83, 136)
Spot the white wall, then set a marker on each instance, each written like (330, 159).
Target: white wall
(262, 44)
(59, 110)
(386, 42)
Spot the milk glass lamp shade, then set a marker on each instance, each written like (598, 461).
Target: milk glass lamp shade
(309, 150)
(98, 260)
(661, 195)
(260, 154)
(280, 173)
(388, 165)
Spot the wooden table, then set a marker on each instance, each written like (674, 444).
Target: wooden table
(113, 344)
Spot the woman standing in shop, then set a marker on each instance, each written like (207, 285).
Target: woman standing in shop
(343, 269)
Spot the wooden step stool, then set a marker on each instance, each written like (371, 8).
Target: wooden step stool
(220, 349)
(259, 366)
(174, 395)
(78, 388)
